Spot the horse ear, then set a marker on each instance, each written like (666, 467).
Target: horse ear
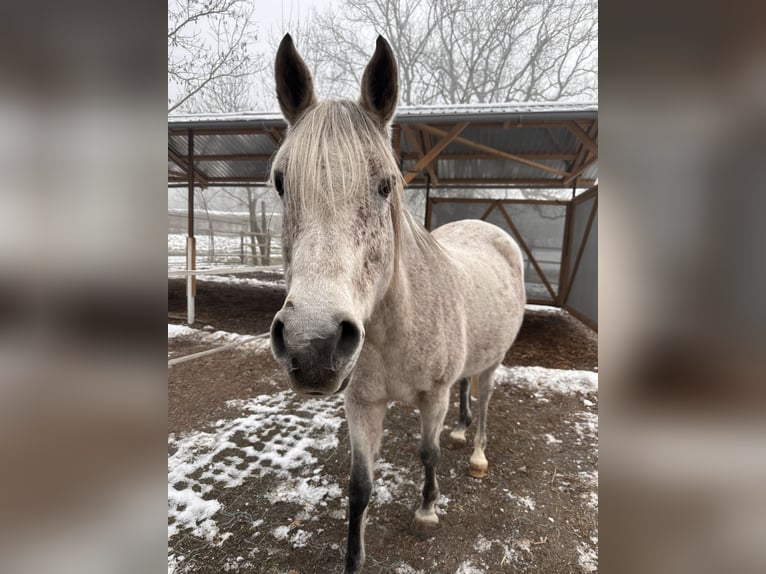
(380, 83)
(295, 88)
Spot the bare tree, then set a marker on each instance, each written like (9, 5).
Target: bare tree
(460, 51)
(208, 42)
(236, 93)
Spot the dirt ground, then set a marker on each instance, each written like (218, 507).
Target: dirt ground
(536, 511)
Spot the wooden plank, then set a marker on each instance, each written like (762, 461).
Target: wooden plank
(528, 251)
(429, 156)
(497, 152)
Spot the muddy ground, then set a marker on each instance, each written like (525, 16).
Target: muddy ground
(535, 512)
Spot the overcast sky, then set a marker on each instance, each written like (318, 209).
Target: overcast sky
(274, 16)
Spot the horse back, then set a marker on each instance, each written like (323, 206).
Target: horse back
(489, 268)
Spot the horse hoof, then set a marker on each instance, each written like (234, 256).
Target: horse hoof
(456, 439)
(424, 525)
(478, 470)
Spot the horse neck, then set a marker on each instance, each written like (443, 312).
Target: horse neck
(417, 253)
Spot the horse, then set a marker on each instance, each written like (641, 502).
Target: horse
(377, 307)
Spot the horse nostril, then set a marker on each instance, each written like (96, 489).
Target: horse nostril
(350, 337)
(278, 337)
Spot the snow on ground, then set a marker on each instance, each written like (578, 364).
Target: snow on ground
(289, 437)
(541, 381)
(267, 439)
(209, 336)
(253, 282)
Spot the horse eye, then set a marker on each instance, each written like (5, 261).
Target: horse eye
(384, 187)
(279, 183)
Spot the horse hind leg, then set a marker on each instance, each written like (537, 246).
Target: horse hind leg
(477, 466)
(433, 409)
(457, 436)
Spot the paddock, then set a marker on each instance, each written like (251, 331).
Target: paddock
(257, 478)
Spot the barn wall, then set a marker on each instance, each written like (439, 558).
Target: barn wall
(540, 226)
(581, 289)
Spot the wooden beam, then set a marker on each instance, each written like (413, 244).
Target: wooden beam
(498, 201)
(416, 145)
(180, 162)
(580, 169)
(235, 157)
(508, 182)
(496, 151)
(275, 135)
(485, 215)
(447, 137)
(581, 134)
(559, 156)
(581, 161)
(528, 251)
(431, 167)
(429, 156)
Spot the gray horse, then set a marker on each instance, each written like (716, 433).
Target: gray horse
(376, 305)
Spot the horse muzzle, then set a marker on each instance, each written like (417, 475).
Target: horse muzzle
(318, 354)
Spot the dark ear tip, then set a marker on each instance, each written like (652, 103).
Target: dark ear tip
(286, 40)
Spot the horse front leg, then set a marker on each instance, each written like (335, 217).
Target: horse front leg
(433, 409)
(365, 425)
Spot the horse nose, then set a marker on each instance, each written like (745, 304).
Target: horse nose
(314, 352)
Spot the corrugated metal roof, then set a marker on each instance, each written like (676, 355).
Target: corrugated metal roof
(513, 144)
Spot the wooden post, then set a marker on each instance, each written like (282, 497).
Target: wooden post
(242, 247)
(266, 259)
(191, 251)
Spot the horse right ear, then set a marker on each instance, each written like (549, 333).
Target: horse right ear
(295, 88)
(380, 83)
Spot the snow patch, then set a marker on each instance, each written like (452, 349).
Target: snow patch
(524, 501)
(278, 434)
(587, 558)
(540, 380)
(550, 439)
(468, 567)
(300, 538)
(543, 309)
(262, 343)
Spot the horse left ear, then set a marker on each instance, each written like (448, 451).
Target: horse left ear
(380, 83)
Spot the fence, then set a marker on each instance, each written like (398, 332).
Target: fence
(222, 239)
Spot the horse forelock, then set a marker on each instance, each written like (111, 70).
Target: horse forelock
(333, 157)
